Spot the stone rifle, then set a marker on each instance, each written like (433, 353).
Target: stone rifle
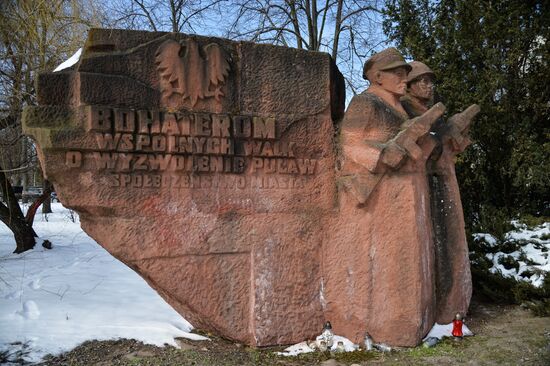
(395, 151)
(458, 125)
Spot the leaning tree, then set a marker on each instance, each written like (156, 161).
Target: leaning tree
(34, 37)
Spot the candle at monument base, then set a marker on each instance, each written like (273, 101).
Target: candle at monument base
(457, 326)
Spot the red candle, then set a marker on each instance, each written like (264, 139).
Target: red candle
(457, 326)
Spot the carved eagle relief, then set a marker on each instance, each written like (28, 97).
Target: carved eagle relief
(190, 73)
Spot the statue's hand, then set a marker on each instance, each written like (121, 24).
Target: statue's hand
(392, 154)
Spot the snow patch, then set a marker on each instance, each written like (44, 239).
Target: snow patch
(303, 347)
(445, 330)
(533, 256)
(296, 349)
(70, 62)
(523, 232)
(30, 310)
(53, 300)
(488, 238)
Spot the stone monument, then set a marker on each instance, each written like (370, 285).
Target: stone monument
(384, 245)
(453, 279)
(212, 169)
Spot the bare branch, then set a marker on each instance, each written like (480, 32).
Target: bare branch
(146, 12)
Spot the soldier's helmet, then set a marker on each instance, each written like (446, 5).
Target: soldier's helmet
(418, 69)
(385, 60)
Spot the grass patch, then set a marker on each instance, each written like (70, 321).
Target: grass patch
(446, 347)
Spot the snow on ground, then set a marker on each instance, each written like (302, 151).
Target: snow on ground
(533, 257)
(296, 349)
(488, 238)
(53, 300)
(303, 347)
(446, 330)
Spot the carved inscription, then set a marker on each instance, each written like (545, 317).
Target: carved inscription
(153, 149)
(197, 181)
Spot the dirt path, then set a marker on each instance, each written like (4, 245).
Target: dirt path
(505, 335)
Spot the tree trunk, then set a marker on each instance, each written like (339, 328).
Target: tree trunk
(337, 29)
(24, 235)
(11, 215)
(31, 212)
(47, 204)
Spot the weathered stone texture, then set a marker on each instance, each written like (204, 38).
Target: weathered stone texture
(210, 168)
(452, 263)
(239, 252)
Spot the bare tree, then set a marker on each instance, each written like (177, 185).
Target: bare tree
(347, 29)
(163, 15)
(35, 36)
(350, 30)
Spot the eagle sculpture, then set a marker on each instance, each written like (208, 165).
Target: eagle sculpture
(186, 71)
